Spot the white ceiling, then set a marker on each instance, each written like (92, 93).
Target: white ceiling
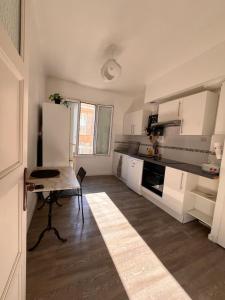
(153, 36)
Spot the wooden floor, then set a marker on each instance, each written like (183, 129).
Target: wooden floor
(82, 268)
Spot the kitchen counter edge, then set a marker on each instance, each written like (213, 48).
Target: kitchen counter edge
(194, 169)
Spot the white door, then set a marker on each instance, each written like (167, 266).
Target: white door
(13, 145)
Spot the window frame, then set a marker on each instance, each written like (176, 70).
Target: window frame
(95, 128)
(78, 128)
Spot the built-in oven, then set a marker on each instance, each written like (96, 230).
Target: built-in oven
(153, 177)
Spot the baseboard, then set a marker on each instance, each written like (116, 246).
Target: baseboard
(100, 174)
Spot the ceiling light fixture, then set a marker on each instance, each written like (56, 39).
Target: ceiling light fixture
(111, 70)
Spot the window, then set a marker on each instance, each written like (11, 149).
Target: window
(87, 129)
(103, 133)
(91, 128)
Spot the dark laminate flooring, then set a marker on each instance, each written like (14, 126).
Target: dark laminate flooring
(82, 267)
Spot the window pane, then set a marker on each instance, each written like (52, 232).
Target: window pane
(74, 121)
(10, 19)
(103, 129)
(87, 127)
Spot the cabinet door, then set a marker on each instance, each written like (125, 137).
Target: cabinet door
(174, 179)
(193, 109)
(124, 169)
(199, 113)
(137, 122)
(169, 111)
(127, 124)
(134, 176)
(174, 188)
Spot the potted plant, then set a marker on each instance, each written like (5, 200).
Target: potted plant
(57, 98)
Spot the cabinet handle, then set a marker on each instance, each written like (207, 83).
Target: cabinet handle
(178, 112)
(181, 127)
(181, 181)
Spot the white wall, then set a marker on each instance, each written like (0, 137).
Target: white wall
(94, 165)
(36, 96)
(206, 67)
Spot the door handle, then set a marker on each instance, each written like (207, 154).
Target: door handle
(181, 181)
(27, 186)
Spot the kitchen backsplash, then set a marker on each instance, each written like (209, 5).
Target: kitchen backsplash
(189, 149)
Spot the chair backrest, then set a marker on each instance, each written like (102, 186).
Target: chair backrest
(81, 174)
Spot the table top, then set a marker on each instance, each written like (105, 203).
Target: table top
(65, 181)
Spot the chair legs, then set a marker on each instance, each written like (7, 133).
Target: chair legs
(78, 197)
(80, 203)
(82, 210)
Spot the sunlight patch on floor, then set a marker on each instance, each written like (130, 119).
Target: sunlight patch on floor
(143, 276)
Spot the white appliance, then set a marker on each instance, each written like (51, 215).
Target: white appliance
(56, 134)
(134, 174)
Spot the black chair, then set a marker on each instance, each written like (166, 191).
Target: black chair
(79, 193)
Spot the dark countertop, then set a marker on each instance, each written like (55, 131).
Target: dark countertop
(194, 169)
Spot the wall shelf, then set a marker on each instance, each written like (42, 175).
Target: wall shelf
(201, 216)
(209, 196)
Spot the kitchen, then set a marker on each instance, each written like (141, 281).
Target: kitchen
(177, 166)
(112, 161)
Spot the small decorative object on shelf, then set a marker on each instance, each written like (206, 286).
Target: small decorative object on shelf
(57, 98)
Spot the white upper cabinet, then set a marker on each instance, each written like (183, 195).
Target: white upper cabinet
(135, 122)
(169, 111)
(199, 114)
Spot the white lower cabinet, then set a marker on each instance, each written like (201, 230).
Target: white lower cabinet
(176, 185)
(124, 168)
(174, 188)
(134, 174)
(120, 165)
(129, 170)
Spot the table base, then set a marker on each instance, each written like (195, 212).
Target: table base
(52, 198)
